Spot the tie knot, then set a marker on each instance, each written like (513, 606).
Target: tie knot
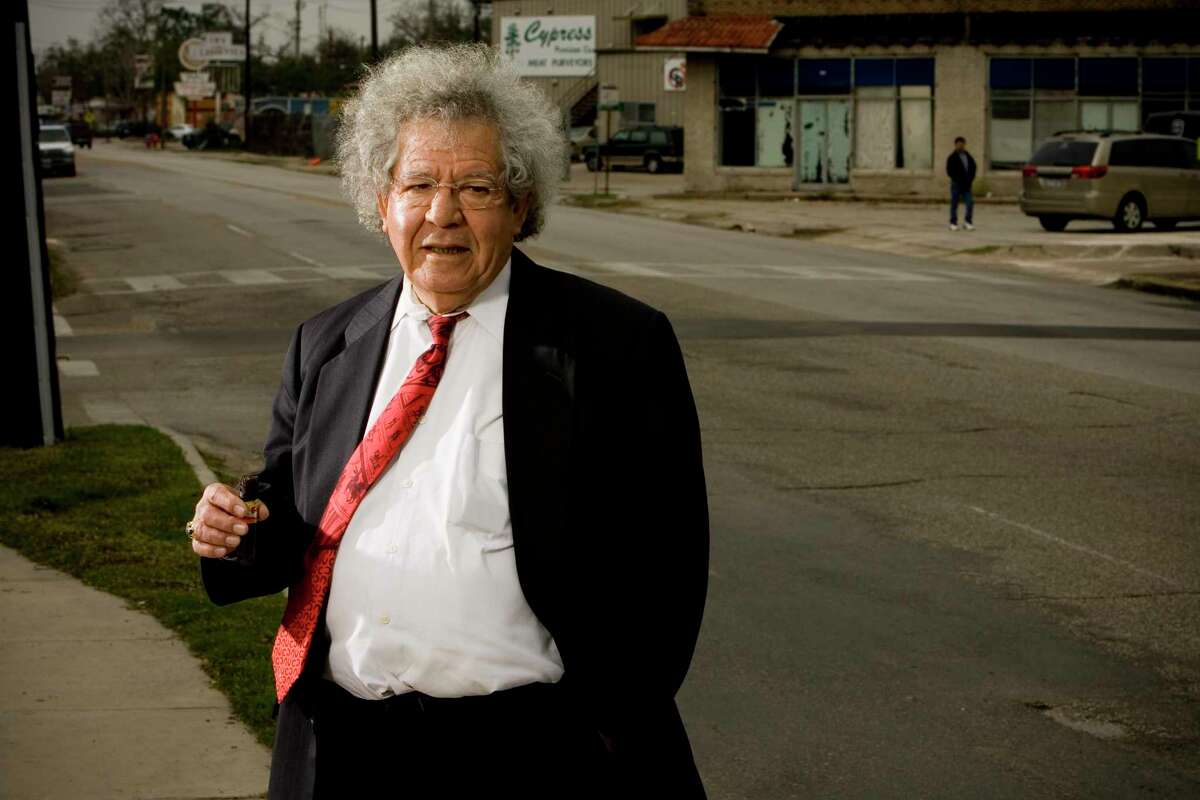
(443, 326)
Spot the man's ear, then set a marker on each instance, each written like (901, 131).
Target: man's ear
(522, 210)
(381, 201)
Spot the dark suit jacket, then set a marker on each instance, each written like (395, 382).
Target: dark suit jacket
(962, 178)
(606, 493)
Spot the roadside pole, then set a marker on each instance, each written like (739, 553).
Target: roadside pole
(609, 101)
(34, 415)
(607, 161)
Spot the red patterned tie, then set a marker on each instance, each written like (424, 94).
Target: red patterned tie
(368, 462)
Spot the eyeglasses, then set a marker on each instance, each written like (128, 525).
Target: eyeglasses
(475, 194)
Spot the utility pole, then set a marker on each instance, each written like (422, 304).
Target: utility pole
(246, 86)
(296, 27)
(374, 33)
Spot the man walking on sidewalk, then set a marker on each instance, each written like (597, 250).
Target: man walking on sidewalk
(960, 166)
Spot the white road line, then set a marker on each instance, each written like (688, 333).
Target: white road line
(630, 268)
(154, 283)
(70, 368)
(239, 231)
(310, 261)
(251, 277)
(1050, 537)
(62, 327)
(981, 278)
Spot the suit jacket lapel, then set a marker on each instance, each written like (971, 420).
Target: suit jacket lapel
(343, 397)
(538, 403)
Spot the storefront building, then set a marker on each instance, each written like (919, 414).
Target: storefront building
(869, 96)
(637, 77)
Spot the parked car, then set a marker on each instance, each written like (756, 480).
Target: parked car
(1176, 123)
(212, 137)
(81, 133)
(1124, 177)
(55, 151)
(583, 141)
(654, 147)
(179, 131)
(135, 128)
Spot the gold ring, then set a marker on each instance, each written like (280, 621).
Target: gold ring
(191, 529)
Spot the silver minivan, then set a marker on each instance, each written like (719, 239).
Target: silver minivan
(1124, 177)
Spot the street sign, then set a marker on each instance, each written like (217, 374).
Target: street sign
(675, 74)
(610, 99)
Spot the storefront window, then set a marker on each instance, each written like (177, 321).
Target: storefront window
(1034, 98)
(1011, 132)
(893, 113)
(776, 111)
(756, 105)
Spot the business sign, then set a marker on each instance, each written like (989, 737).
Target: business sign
(549, 47)
(199, 53)
(675, 74)
(195, 85)
(143, 71)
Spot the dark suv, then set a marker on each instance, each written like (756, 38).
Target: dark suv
(654, 147)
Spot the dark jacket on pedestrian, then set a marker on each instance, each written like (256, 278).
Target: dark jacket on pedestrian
(962, 177)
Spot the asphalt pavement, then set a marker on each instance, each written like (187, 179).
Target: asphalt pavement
(954, 501)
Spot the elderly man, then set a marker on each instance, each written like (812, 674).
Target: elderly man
(482, 485)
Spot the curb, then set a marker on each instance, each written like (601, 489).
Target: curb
(190, 454)
(1157, 284)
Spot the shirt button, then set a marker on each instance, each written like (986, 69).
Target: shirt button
(392, 548)
(385, 620)
(406, 484)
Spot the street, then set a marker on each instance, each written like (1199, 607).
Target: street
(954, 507)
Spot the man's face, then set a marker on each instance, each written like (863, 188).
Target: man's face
(450, 253)
(959, 146)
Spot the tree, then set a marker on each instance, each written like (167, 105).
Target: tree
(418, 21)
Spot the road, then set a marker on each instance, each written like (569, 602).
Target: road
(954, 509)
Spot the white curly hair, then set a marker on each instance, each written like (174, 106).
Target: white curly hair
(449, 83)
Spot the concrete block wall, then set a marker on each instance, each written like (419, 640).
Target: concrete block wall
(822, 8)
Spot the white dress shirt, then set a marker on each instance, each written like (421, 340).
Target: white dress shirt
(425, 594)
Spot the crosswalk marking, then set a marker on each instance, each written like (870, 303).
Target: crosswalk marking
(154, 283)
(294, 273)
(110, 411)
(77, 368)
(352, 273)
(61, 326)
(251, 277)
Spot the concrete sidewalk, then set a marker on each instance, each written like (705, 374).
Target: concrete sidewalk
(101, 701)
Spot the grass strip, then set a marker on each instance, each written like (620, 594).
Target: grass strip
(63, 279)
(108, 506)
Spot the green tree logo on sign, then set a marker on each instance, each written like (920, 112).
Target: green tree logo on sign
(512, 40)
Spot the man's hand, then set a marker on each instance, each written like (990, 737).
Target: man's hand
(222, 519)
